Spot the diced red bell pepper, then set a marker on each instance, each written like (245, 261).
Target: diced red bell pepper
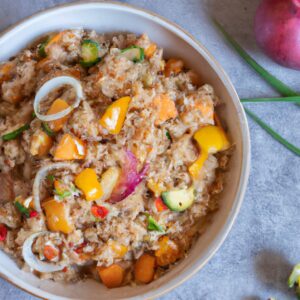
(159, 204)
(33, 214)
(99, 211)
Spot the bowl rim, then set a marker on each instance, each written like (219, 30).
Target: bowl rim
(245, 133)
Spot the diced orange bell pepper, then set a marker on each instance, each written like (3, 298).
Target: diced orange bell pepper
(41, 144)
(167, 253)
(114, 116)
(144, 268)
(149, 51)
(173, 66)
(111, 276)
(166, 108)
(69, 148)
(57, 106)
(88, 183)
(57, 216)
(50, 252)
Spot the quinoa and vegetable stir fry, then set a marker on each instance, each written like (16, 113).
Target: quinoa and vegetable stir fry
(111, 157)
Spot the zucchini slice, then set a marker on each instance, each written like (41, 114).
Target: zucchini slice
(42, 48)
(89, 53)
(179, 200)
(134, 53)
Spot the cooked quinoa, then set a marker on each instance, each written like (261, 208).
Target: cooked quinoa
(133, 192)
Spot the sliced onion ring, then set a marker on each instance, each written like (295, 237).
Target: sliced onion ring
(41, 174)
(48, 87)
(32, 261)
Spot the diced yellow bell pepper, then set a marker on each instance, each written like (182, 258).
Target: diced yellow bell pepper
(114, 116)
(57, 106)
(88, 183)
(211, 139)
(57, 216)
(40, 144)
(195, 168)
(69, 148)
(119, 249)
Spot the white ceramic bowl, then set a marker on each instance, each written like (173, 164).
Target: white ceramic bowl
(115, 17)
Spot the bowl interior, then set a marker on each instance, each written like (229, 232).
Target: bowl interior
(107, 17)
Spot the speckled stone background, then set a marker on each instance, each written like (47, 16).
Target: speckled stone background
(256, 258)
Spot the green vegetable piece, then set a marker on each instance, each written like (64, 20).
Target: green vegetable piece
(47, 129)
(278, 85)
(14, 134)
(154, 226)
(294, 277)
(273, 133)
(63, 194)
(168, 135)
(295, 99)
(134, 53)
(50, 178)
(273, 81)
(89, 53)
(179, 200)
(22, 209)
(42, 48)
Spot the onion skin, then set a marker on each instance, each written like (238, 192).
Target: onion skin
(277, 31)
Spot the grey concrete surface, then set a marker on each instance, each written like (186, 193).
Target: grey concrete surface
(256, 258)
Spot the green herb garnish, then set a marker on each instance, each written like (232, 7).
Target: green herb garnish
(22, 209)
(168, 135)
(278, 85)
(63, 194)
(295, 99)
(273, 81)
(273, 133)
(50, 178)
(153, 225)
(47, 129)
(14, 134)
(42, 48)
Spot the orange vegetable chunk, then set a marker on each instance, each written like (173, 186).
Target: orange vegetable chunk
(144, 268)
(173, 66)
(57, 216)
(69, 148)
(57, 106)
(166, 108)
(41, 144)
(50, 252)
(111, 276)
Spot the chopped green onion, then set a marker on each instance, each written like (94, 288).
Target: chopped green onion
(42, 48)
(47, 129)
(278, 85)
(153, 225)
(168, 135)
(277, 99)
(63, 194)
(273, 133)
(22, 209)
(14, 134)
(33, 114)
(50, 178)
